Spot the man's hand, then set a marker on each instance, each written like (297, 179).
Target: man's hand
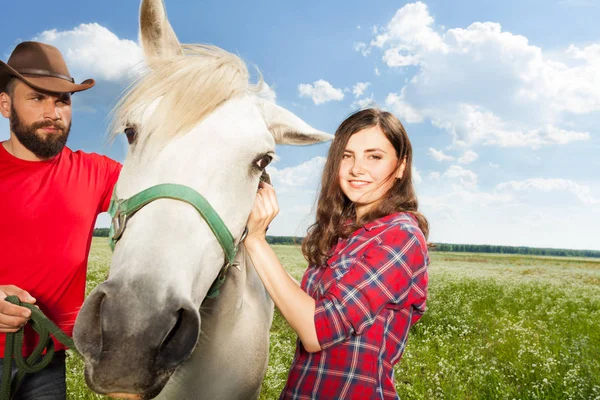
(13, 317)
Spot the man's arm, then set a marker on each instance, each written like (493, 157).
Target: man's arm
(113, 169)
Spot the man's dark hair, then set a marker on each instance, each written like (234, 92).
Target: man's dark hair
(10, 87)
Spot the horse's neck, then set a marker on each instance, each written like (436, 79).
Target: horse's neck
(235, 329)
(253, 281)
(242, 285)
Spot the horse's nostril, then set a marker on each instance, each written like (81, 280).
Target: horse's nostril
(173, 331)
(88, 333)
(179, 343)
(100, 304)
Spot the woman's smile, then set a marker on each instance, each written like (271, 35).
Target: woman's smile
(358, 184)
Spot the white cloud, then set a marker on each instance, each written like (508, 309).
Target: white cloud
(409, 30)
(402, 109)
(471, 124)
(562, 136)
(494, 165)
(434, 176)
(485, 85)
(394, 58)
(416, 176)
(364, 103)
(92, 51)
(468, 157)
(320, 91)
(377, 71)
(363, 48)
(466, 177)
(359, 89)
(439, 155)
(582, 192)
(303, 174)
(457, 197)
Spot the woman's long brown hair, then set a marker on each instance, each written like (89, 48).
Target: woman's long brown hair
(336, 216)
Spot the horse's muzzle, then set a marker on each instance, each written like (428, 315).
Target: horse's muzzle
(131, 340)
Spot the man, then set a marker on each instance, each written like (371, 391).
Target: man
(50, 197)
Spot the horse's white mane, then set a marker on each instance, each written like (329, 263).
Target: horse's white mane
(192, 86)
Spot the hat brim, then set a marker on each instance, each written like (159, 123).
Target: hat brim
(43, 83)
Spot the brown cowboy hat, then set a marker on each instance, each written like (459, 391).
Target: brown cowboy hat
(42, 67)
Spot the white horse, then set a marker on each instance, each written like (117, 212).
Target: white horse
(150, 329)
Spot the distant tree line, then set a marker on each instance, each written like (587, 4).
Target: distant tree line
(534, 251)
(101, 232)
(469, 248)
(285, 240)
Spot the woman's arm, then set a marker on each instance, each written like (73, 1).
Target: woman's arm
(297, 307)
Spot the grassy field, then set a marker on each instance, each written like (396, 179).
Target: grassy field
(497, 327)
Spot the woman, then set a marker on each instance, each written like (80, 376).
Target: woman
(367, 280)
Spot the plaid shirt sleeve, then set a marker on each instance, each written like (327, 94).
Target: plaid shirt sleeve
(392, 272)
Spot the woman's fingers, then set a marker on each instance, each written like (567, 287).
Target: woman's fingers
(266, 203)
(265, 208)
(261, 208)
(258, 213)
(270, 198)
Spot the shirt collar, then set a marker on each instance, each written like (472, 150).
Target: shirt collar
(388, 220)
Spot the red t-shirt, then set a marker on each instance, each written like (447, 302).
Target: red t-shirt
(48, 210)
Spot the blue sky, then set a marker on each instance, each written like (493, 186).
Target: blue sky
(500, 99)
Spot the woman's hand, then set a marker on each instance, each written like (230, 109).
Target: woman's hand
(297, 307)
(264, 210)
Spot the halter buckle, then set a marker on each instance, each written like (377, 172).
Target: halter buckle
(118, 222)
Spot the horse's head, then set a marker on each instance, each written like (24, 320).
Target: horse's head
(194, 122)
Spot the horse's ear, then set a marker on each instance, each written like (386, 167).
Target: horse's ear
(287, 128)
(156, 35)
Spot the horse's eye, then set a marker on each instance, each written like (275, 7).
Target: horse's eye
(264, 161)
(131, 134)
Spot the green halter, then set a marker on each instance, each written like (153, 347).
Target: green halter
(121, 210)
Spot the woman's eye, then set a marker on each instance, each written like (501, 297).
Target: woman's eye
(264, 161)
(131, 134)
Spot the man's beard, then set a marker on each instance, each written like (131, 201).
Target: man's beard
(43, 146)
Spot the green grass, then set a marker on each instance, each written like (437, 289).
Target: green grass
(497, 327)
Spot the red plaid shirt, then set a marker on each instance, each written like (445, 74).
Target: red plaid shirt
(371, 292)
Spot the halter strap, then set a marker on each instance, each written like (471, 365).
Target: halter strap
(122, 210)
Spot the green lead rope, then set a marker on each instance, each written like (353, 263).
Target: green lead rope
(14, 344)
